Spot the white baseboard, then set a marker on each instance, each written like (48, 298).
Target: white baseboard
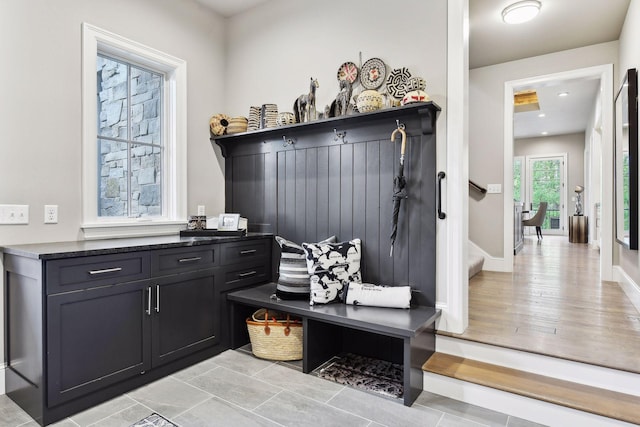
(491, 263)
(513, 404)
(627, 284)
(3, 388)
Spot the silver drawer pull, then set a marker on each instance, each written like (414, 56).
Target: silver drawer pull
(106, 270)
(148, 310)
(247, 274)
(248, 252)
(195, 258)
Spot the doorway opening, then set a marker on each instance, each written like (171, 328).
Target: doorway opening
(597, 176)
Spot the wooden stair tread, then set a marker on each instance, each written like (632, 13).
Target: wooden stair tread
(595, 400)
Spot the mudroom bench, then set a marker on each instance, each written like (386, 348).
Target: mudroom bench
(402, 336)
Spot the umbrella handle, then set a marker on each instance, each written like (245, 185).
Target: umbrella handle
(404, 140)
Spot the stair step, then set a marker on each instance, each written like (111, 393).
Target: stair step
(475, 264)
(585, 398)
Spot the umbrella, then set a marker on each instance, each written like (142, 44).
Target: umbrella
(399, 184)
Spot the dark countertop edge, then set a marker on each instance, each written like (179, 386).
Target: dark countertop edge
(72, 249)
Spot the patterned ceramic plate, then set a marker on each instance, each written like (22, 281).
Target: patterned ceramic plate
(348, 71)
(397, 82)
(373, 73)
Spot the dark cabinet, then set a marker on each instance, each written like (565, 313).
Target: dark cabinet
(86, 325)
(96, 338)
(183, 314)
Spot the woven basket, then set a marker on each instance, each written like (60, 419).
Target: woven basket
(275, 336)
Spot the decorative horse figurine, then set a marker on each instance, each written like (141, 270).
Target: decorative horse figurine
(343, 98)
(305, 104)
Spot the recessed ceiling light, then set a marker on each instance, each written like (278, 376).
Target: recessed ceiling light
(521, 11)
(541, 115)
(563, 94)
(545, 133)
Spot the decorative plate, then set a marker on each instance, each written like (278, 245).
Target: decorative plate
(348, 71)
(397, 82)
(373, 73)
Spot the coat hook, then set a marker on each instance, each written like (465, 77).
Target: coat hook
(399, 125)
(286, 142)
(340, 135)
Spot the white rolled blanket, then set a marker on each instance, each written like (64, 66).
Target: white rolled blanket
(378, 296)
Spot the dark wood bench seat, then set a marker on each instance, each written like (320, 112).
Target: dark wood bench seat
(403, 336)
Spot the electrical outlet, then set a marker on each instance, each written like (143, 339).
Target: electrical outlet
(14, 214)
(494, 188)
(200, 210)
(50, 214)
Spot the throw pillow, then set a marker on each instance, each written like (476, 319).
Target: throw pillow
(332, 266)
(293, 280)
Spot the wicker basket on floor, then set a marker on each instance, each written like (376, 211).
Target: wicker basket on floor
(275, 336)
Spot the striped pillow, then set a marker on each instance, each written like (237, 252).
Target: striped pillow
(293, 280)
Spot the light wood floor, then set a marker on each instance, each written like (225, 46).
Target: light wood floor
(554, 304)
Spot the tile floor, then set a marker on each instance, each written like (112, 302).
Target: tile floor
(236, 389)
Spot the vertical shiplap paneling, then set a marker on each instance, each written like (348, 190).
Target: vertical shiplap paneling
(281, 196)
(258, 212)
(290, 195)
(248, 177)
(388, 162)
(346, 191)
(300, 209)
(321, 187)
(311, 192)
(334, 190)
(360, 196)
(322, 196)
(372, 234)
(415, 214)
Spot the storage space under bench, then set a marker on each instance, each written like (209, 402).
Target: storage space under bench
(403, 336)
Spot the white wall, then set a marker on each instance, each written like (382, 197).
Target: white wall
(629, 58)
(275, 48)
(486, 130)
(40, 105)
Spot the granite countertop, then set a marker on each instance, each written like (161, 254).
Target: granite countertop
(58, 250)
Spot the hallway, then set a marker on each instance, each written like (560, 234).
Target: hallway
(554, 304)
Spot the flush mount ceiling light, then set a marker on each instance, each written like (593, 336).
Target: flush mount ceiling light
(520, 12)
(563, 94)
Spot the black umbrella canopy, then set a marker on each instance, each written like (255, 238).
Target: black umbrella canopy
(399, 186)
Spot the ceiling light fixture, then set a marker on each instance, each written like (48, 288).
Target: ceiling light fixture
(563, 94)
(545, 133)
(541, 115)
(521, 11)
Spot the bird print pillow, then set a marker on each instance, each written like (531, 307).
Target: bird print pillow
(331, 267)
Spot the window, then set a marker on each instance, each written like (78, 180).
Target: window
(134, 138)
(130, 148)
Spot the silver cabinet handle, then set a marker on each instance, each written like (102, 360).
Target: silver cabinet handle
(196, 258)
(149, 301)
(248, 252)
(247, 274)
(157, 298)
(106, 270)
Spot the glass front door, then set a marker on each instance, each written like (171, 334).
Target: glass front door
(547, 184)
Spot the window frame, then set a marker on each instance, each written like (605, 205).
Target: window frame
(174, 193)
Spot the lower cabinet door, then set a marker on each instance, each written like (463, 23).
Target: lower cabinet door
(96, 338)
(184, 319)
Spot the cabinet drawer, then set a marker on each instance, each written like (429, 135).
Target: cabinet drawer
(92, 271)
(238, 252)
(244, 275)
(179, 260)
